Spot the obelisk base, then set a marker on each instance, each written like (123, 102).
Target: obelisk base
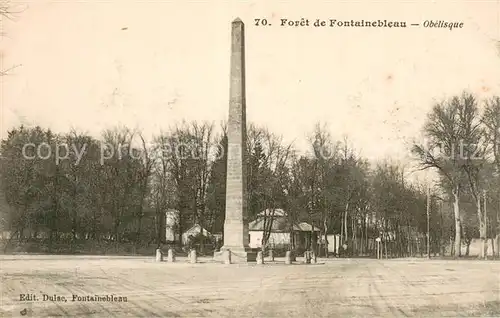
(239, 255)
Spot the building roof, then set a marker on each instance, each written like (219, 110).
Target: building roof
(273, 212)
(306, 227)
(280, 224)
(196, 229)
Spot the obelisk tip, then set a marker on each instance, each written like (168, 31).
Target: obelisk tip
(238, 20)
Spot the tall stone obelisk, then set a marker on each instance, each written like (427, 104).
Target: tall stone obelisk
(236, 236)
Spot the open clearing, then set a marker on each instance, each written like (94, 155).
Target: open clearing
(332, 288)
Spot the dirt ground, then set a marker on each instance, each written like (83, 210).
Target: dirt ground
(332, 288)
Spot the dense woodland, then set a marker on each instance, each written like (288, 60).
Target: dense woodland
(118, 187)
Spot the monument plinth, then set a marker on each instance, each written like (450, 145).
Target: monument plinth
(236, 236)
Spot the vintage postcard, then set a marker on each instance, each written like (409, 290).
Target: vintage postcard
(249, 158)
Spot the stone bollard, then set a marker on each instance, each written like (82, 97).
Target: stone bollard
(288, 257)
(159, 255)
(171, 255)
(314, 260)
(260, 258)
(227, 257)
(307, 257)
(271, 255)
(192, 257)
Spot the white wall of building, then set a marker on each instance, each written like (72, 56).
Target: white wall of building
(255, 238)
(274, 238)
(171, 221)
(333, 243)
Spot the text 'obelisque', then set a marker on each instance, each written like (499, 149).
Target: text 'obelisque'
(236, 236)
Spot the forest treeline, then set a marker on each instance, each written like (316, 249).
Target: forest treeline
(72, 187)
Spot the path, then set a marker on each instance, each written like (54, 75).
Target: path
(354, 288)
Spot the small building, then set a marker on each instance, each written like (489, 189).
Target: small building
(281, 231)
(171, 225)
(333, 243)
(194, 231)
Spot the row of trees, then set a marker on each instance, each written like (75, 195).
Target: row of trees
(74, 187)
(463, 139)
(117, 188)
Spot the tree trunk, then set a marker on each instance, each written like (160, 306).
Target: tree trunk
(485, 226)
(452, 245)
(458, 228)
(367, 225)
(51, 238)
(325, 226)
(354, 243)
(140, 215)
(202, 242)
(116, 230)
(418, 245)
(496, 234)
(268, 226)
(364, 247)
(157, 229)
(335, 245)
(341, 238)
(139, 228)
(180, 226)
(492, 247)
(345, 222)
(498, 246)
(409, 242)
(74, 214)
(385, 247)
(482, 230)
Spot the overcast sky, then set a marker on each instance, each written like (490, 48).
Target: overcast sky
(146, 64)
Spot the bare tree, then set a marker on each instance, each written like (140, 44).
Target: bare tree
(447, 130)
(473, 150)
(8, 11)
(491, 122)
(326, 152)
(269, 160)
(186, 157)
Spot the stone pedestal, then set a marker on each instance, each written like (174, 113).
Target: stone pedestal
(271, 255)
(260, 258)
(171, 256)
(288, 258)
(159, 255)
(236, 255)
(314, 259)
(193, 259)
(307, 257)
(223, 256)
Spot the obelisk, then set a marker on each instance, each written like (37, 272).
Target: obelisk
(236, 236)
